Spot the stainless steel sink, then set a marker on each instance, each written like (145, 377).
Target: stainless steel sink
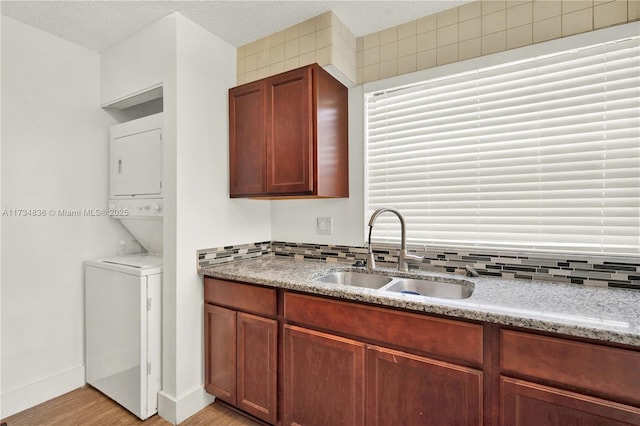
(422, 287)
(430, 288)
(356, 279)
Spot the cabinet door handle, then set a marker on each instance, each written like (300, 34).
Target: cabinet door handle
(119, 167)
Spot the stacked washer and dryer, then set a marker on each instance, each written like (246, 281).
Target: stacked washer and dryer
(123, 298)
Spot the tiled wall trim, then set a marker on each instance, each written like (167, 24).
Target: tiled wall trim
(216, 256)
(481, 28)
(600, 272)
(324, 40)
(474, 29)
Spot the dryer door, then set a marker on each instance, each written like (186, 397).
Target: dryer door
(136, 165)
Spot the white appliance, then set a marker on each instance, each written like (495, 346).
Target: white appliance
(135, 158)
(124, 293)
(124, 330)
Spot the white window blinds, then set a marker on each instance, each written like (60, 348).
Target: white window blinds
(536, 155)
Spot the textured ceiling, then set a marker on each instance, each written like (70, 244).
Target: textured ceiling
(98, 25)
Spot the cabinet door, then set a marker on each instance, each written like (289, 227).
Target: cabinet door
(290, 134)
(257, 366)
(323, 379)
(220, 352)
(525, 404)
(247, 153)
(405, 389)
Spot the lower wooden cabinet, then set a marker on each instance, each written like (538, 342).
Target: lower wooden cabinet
(529, 404)
(344, 363)
(220, 352)
(241, 360)
(330, 380)
(549, 380)
(608, 372)
(257, 366)
(405, 389)
(323, 379)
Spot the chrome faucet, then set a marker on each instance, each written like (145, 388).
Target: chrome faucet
(404, 256)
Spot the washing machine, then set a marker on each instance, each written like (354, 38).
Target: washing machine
(124, 330)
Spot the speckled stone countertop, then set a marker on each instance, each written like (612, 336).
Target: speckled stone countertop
(607, 314)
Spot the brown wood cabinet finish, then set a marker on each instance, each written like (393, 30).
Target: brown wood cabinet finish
(220, 352)
(241, 349)
(529, 404)
(349, 363)
(323, 379)
(257, 368)
(290, 141)
(242, 297)
(405, 389)
(288, 136)
(609, 372)
(449, 338)
(247, 156)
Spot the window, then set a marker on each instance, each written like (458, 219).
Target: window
(540, 153)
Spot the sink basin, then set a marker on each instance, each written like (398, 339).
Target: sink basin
(430, 288)
(356, 279)
(422, 287)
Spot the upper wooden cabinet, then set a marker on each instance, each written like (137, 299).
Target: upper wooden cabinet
(288, 136)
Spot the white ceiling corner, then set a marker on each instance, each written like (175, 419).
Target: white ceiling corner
(100, 24)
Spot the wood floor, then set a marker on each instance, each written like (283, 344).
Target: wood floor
(88, 407)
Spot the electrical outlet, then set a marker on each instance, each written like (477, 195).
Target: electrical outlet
(324, 225)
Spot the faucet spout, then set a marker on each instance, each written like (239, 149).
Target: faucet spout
(404, 256)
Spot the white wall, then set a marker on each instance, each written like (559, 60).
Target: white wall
(295, 220)
(128, 69)
(205, 215)
(54, 156)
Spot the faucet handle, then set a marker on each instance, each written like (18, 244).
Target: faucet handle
(360, 263)
(470, 271)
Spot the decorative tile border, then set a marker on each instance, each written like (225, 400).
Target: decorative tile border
(591, 271)
(216, 256)
(327, 253)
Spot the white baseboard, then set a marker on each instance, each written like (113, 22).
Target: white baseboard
(27, 396)
(176, 411)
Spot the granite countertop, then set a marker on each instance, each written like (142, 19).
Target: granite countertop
(606, 314)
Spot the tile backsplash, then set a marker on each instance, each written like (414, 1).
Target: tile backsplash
(218, 255)
(592, 271)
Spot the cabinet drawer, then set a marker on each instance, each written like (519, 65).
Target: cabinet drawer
(610, 371)
(449, 338)
(529, 404)
(243, 297)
